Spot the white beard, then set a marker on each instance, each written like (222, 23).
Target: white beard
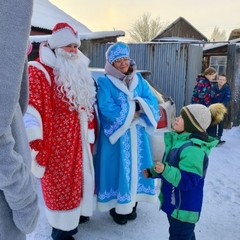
(74, 81)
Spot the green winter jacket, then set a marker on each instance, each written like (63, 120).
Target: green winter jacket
(182, 185)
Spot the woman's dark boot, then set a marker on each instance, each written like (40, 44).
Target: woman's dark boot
(133, 214)
(83, 219)
(118, 218)
(69, 238)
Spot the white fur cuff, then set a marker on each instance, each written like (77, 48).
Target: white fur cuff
(37, 170)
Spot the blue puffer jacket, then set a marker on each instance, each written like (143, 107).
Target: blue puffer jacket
(222, 95)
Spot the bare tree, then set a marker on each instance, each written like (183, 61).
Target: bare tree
(218, 35)
(146, 28)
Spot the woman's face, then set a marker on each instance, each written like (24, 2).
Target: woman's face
(179, 124)
(122, 64)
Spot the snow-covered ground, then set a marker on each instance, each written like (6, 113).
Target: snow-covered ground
(220, 218)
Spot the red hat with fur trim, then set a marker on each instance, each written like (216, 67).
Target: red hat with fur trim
(63, 35)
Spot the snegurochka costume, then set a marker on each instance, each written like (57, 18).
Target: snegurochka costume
(123, 144)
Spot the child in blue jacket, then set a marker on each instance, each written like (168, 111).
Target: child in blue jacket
(222, 95)
(184, 166)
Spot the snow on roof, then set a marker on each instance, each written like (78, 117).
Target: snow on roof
(178, 39)
(46, 15)
(220, 44)
(83, 36)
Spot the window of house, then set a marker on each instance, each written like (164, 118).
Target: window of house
(219, 63)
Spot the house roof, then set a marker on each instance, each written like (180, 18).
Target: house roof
(83, 36)
(179, 40)
(177, 21)
(46, 15)
(220, 44)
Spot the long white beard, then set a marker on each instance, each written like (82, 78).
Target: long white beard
(74, 81)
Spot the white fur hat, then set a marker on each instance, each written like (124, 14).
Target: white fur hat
(62, 35)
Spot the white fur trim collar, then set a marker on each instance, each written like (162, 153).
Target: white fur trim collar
(118, 83)
(46, 55)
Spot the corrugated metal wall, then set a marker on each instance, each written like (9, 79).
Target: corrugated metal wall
(174, 66)
(194, 67)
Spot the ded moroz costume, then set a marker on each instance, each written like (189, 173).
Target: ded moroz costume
(60, 123)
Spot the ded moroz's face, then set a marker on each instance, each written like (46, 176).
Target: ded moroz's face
(122, 64)
(71, 48)
(179, 124)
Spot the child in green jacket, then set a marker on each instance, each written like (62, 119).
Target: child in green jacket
(184, 167)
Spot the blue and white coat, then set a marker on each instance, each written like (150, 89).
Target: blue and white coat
(123, 147)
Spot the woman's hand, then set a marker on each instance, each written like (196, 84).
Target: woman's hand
(145, 173)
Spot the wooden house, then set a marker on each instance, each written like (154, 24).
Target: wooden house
(180, 28)
(225, 58)
(215, 55)
(46, 15)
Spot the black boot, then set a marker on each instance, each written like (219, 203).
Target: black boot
(69, 238)
(133, 214)
(83, 219)
(118, 218)
(65, 235)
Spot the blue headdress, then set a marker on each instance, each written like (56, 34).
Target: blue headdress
(116, 51)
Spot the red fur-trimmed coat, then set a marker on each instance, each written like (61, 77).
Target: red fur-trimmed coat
(61, 140)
